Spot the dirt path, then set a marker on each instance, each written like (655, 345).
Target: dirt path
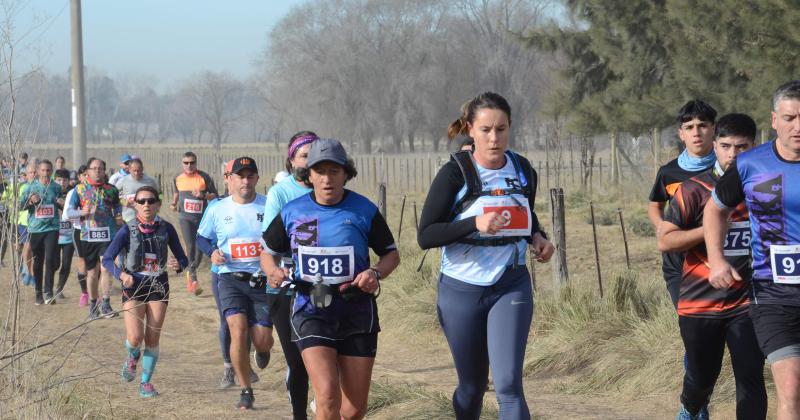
(190, 367)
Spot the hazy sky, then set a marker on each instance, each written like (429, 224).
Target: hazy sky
(167, 39)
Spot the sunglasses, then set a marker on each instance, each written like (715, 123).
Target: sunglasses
(190, 163)
(144, 201)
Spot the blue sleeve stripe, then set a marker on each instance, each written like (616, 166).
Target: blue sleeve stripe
(720, 204)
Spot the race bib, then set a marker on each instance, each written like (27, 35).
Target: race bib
(98, 234)
(517, 213)
(45, 211)
(150, 265)
(737, 240)
(65, 229)
(334, 264)
(193, 206)
(245, 249)
(785, 263)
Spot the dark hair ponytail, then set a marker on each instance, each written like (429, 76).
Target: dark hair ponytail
(486, 100)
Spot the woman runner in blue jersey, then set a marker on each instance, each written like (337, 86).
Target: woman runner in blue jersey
(142, 243)
(334, 319)
(480, 210)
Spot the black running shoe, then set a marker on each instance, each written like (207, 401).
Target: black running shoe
(246, 399)
(262, 359)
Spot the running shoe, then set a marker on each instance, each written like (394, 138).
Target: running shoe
(49, 300)
(105, 309)
(262, 359)
(254, 377)
(39, 300)
(684, 414)
(246, 399)
(129, 369)
(94, 310)
(84, 300)
(228, 378)
(147, 390)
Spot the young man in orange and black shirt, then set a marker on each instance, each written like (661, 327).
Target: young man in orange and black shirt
(193, 189)
(696, 131)
(710, 317)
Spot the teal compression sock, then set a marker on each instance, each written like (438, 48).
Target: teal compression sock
(149, 363)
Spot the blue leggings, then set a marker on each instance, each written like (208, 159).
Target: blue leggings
(224, 332)
(488, 325)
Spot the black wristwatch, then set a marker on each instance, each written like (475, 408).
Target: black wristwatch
(377, 272)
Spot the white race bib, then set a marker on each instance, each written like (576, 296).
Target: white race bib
(45, 211)
(335, 264)
(150, 265)
(65, 229)
(785, 263)
(98, 234)
(245, 249)
(737, 240)
(193, 206)
(517, 213)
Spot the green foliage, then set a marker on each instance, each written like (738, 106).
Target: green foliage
(629, 65)
(640, 225)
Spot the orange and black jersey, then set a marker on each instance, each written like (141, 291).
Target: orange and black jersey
(668, 179)
(697, 297)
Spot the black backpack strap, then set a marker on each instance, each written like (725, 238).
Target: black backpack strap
(471, 180)
(497, 241)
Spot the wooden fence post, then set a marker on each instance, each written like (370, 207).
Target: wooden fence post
(382, 199)
(624, 238)
(560, 272)
(402, 211)
(596, 250)
(416, 221)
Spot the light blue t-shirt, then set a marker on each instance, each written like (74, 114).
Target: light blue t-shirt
(280, 194)
(212, 203)
(235, 229)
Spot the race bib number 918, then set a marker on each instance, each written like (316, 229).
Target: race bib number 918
(785, 261)
(333, 264)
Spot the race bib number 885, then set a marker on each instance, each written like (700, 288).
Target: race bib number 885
(333, 264)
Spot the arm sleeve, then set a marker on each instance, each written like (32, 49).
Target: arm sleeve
(121, 241)
(210, 187)
(435, 228)
(176, 248)
(276, 238)
(205, 245)
(729, 192)
(380, 237)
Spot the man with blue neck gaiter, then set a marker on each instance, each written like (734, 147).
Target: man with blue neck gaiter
(696, 131)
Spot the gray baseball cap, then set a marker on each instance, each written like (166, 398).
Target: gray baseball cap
(326, 150)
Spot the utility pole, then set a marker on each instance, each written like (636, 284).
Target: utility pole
(78, 102)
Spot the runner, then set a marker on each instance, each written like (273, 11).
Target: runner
(763, 179)
(696, 131)
(230, 236)
(479, 209)
(142, 243)
(65, 230)
(97, 205)
(334, 318)
(124, 170)
(41, 201)
(75, 222)
(228, 374)
(131, 183)
(278, 196)
(710, 317)
(23, 244)
(193, 189)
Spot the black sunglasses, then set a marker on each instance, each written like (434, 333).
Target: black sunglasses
(150, 201)
(190, 163)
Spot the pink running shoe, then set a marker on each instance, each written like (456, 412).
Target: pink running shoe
(84, 300)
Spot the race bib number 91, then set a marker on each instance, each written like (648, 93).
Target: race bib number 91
(245, 250)
(737, 240)
(785, 263)
(334, 264)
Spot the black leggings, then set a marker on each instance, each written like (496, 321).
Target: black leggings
(67, 250)
(189, 229)
(704, 340)
(45, 255)
(297, 377)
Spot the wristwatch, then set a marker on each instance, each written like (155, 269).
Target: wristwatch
(377, 272)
